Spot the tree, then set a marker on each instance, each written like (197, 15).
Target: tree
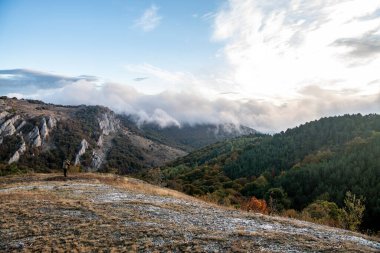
(324, 212)
(354, 210)
(277, 199)
(257, 205)
(256, 188)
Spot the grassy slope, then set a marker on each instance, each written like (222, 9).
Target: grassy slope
(87, 212)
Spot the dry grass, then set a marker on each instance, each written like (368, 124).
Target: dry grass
(101, 212)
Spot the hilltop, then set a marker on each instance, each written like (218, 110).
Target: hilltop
(308, 167)
(37, 136)
(89, 212)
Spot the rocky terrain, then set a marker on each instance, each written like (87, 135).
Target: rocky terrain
(42, 136)
(37, 135)
(92, 212)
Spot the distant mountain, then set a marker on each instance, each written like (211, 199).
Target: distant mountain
(188, 137)
(320, 160)
(39, 137)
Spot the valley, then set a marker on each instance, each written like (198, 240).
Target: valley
(190, 126)
(305, 172)
(40, 136)
(325, 172)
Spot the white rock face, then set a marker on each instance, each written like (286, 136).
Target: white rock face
(98, 154)
(35, 137)
(44, 131)
(97, 159)
(22, 149)
(21, 125)
(14, 119)
(100, 141)
(14, 158)
(3, 115)
(8, 128)
(51, 122)
(82, 150)
(108, 123)
(18, 153)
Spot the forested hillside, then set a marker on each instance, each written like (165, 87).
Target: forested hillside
(310, 168)
(36, 136)
(186, 137)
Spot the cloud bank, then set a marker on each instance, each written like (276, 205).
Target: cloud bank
(175, 108)
(281, 63)
(274, 48)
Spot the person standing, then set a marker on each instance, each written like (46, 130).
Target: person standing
(66, 166)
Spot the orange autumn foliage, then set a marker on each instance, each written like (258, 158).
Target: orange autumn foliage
(257, 205)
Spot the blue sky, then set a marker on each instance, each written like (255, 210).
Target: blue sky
(266, 64)
(100, 37)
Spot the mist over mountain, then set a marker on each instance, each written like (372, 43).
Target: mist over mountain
(38, 136)
(173, 108)
(187, 137)
(267, 109)
(296, 169)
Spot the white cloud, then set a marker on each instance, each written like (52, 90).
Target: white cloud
(159, 116)
(286, 62)
(275, 48)
(208, 16)
(175, 108)
(160, 80)
(149, 20)
(150, 70)
(8, 76)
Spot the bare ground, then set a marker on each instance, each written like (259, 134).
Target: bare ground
(106, 213)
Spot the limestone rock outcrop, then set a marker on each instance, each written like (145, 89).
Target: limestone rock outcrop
(35, 137)
(97, 159)
(8, 128)
(18, 153)
(44, 131)
(7, 125)
(99, 143)
(108, 123)
(83, 146)
(3, 116)
(21, 125)
(51, 122)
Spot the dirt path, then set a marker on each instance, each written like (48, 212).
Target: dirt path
(91, 212)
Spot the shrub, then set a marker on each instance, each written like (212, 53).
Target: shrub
(354, 210)
(277, 200)
(290, 213)
(256, 205)
(324, 212)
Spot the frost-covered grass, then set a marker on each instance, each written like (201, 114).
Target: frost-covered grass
(92, 211)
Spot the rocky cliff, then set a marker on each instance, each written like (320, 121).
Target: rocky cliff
(41, 136)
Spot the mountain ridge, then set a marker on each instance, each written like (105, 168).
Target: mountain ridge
(318, 161)
(41, 136)
(48, 134)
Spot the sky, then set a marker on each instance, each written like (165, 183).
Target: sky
(269, 65)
